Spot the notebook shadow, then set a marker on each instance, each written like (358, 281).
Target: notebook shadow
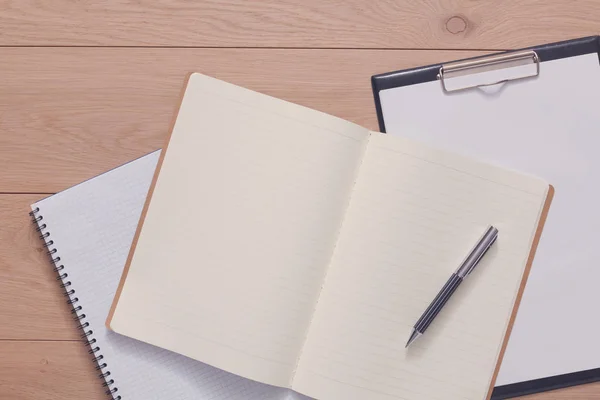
(186, 378)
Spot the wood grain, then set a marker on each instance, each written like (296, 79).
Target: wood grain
(67, 114)
(583, 392)
(32, 305)
(48, 371)
(395, 24)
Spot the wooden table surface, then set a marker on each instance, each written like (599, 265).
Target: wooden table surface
(88, 85)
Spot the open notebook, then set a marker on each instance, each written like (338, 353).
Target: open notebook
(297, 249)
(91, 227)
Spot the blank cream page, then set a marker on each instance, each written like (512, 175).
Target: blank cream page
(414, 215)
(240, 230)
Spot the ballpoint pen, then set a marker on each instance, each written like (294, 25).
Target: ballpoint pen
(467, 266)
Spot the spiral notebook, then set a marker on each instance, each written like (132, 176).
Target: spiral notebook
(88, 230)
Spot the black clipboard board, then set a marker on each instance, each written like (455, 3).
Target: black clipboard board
(548, 52)
(413, 76)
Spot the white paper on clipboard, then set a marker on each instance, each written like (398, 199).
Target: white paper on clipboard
(548, 126)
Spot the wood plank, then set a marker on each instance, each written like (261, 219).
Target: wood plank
(582, 392)
(49, 371)
(32, 305)
(67, 114)
(297, 23)
(63, 371)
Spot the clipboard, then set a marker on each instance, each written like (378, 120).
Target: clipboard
(525, 65)
(535, 55)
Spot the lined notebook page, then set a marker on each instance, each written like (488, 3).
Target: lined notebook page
(414, 215)
(92, 226)
(240, 230)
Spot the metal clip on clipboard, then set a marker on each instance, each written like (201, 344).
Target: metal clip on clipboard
(491, 63)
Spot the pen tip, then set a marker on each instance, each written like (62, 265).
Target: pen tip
(413, 336)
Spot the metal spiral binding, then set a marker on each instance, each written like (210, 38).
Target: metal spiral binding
(76, 310)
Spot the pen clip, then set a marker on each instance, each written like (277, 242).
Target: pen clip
(476, 254)
(474, 264)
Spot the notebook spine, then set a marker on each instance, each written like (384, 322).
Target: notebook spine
(76, 308)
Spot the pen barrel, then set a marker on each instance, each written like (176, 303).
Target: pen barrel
(483, 245)
(438, 303)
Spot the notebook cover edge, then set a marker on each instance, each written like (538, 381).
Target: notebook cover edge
(530, 258)
(138, 230)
